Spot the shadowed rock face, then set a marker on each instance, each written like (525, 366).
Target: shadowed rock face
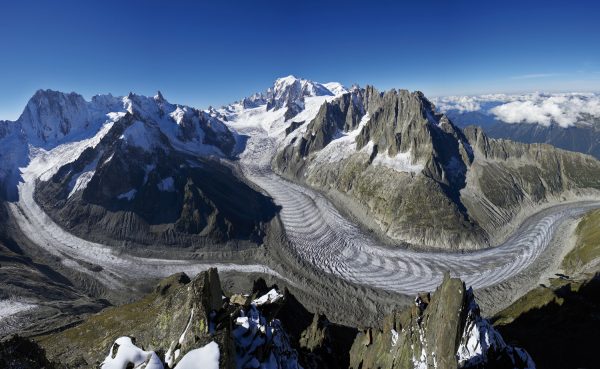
(562, 332)
(20, 353)
(413, 176)
(153, 194)
(443, 330)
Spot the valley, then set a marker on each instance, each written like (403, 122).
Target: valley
(91, 204)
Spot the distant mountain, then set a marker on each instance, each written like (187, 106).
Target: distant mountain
(289, 92)
(567, 121)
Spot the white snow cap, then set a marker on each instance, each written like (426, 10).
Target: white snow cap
(124, 352)
(305, 87)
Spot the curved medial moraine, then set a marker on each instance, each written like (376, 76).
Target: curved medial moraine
(328, 240)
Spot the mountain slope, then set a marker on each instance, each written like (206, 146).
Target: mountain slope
(153, 172)
(411, 175)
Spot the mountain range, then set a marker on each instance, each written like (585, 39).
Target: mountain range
(567, 121)
(353, 198)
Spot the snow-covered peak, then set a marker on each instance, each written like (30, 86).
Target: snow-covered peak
(283, 82)
(51, 115)
(159, 97)
(290, 92)
(146, 106)
(185, 127)
(52, 118)
(337, 88)
(291, 88)
(107, 103)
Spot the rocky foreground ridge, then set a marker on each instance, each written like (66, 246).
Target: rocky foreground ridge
(187, 323)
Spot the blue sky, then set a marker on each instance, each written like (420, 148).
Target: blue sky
(210, 53)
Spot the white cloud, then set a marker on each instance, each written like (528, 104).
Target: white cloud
(536, 75)
(562, 109)
(460, 103)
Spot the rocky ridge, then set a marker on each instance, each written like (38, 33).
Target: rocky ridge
(411, 175)
(442, 330)
(183, 319)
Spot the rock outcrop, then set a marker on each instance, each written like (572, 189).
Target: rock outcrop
(442, 330)
(185, 321)
(180, 315)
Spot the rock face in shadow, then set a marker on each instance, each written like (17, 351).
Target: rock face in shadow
(564, 330)
(411, 175)
(20, 353)
(118, 191)
(443, 330)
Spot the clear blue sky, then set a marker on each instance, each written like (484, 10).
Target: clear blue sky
(210, 53)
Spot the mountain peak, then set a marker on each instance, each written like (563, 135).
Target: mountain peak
(50, 115)
(159, 96)
(287, 80)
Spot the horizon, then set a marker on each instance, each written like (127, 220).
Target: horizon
(214, 54)
(431, 97)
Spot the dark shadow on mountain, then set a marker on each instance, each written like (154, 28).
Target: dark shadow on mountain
(561, 336)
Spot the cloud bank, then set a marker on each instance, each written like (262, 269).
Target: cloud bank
(545, 109)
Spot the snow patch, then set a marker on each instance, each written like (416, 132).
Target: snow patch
(80, 181)
(480, 337)
(336, 88)
(10, 307)
(138, 135)
(401, 162)
(255, 332)
(124, 352)
(167, 184)
(269, 298)
(342, 147)
(178, 115)
(129, 195)
(395, 336)
(206, 357)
